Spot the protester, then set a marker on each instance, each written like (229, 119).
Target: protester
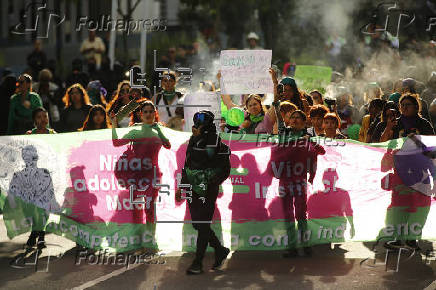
(409, 86)
(390, 113)
(293, 187)
(331, 126)
(347, 113)
(7, 89)
(47, 90)
(149, 120)
(410, 120)
(286, 91)
(145, 143)
(22, 105)
(206, 167)
(317, 97)
(167, 97)
(429, 94)
(297, 124)
(96, 119)
(97, 94)
(316, 116)
(122, 98)
(41, 121)
(255, 121)
(375, 108)
(76, 109)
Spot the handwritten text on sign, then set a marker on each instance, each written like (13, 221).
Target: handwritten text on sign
(245, 72)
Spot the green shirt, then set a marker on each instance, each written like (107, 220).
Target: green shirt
(145, 131)
(20, 116)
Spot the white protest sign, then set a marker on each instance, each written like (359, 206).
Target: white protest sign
(198, 101)
(246, 72)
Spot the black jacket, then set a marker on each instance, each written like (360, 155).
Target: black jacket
(200, 156)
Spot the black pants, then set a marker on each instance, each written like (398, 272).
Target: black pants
(203, 213)
(33, 236)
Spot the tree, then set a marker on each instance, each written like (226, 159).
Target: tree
(127, 16)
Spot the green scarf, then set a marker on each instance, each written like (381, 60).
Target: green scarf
(199, 179)
(169, 95)
(256, 119)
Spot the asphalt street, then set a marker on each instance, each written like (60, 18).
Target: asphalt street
(345, 266)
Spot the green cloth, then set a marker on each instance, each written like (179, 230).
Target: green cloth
(50, 131)
(200, 178)
(289, 81)
(169, 96)
(395, 97)
(19, 113)
(256, 119)
(146, 131)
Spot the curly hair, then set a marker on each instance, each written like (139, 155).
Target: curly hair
(67, 98)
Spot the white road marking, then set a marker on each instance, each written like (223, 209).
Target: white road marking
(106, 277)
(432, 286)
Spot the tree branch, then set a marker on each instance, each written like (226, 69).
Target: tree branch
(119, 9)
(134, 6)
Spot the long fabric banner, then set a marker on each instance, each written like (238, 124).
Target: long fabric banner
(101, 194)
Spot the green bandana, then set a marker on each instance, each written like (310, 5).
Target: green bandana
(199, 179)
(169, 95)
(256, 119)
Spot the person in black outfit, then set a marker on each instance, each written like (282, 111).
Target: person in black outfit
(37, 59)
(77, 75)
(207, 165)
(7, 89)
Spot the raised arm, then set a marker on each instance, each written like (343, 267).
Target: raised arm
(272, 112)
(115, 141)
(165, 142)
(225, 98)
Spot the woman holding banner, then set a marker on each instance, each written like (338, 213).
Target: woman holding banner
(145, 144)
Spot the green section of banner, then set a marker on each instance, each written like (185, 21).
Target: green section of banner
(249, 235)
(311, 77)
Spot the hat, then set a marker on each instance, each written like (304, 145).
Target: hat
(289, 81)
(395, 97)
(252, 35)
(408, 83)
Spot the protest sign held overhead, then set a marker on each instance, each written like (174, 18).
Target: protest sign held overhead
(245, 72)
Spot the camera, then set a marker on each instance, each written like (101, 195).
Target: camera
(331, 104)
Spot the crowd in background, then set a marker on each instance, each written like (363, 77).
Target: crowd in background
(41, 101)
